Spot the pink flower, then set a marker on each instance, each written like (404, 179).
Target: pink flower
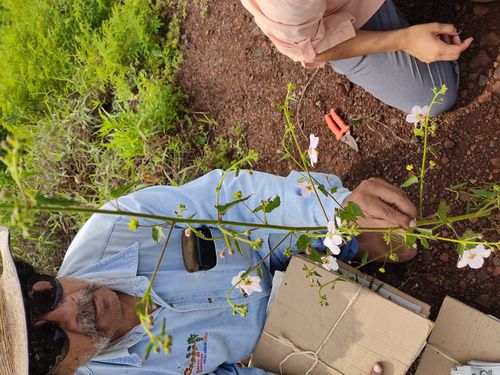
(417, 114)
(333, 238)
(474, 258)
(312, 152)
(248, 285)
(329, 263)
(306, 189)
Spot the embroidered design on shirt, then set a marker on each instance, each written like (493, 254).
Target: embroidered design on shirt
(196, 354)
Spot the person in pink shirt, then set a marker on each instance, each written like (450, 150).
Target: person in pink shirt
(368, 41)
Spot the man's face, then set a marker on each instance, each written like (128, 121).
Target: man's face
(89, 315)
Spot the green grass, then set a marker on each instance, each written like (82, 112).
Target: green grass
(90, 85)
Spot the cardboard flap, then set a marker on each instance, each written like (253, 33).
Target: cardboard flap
(356, 329)
(386, 290)
(461, 334)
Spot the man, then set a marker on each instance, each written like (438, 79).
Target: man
(85, 320)
(368, 41)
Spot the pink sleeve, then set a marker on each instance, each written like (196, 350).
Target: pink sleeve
(299, 28)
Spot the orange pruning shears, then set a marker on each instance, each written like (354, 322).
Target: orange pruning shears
(340, 129)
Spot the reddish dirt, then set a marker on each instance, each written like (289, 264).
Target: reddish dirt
(233, 73)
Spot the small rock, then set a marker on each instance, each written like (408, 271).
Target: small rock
(496, 261)
(485, 97)
(448, 143)
(348, 87)
(259, 52)
(496, 88)
(463, 93)
(480, 60)
(483, 275)
(318, 103)
(496, 75)
(473, 220)
(480, 10)
(495, 162)
(472, 76)
(78, 178)
(483, 300)
(444, 160)
(496, 272)
(444, 257)
(483, 80)
(462, 284)
(394, 121)
(490, 39)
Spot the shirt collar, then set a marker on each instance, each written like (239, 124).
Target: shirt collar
(119, 273)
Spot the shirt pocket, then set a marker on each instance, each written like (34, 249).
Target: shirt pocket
(208, 289)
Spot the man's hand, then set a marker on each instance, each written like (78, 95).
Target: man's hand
(383, 205)
(431, 42)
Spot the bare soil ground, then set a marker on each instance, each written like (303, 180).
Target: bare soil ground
(233, 73)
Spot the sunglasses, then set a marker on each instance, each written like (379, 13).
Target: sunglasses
(48, 343)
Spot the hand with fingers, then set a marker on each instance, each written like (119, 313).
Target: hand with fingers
(434, 42)
(384, 206)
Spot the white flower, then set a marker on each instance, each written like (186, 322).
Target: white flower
(248, 285)
(306, 189)
(333, 238)
(329, 263)
(417, 114)
(312, 152)
(474, 258)
(187, 232)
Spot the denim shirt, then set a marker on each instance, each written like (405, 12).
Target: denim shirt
(206, 337)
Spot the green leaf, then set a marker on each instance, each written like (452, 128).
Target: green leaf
(322, 188)
(412, 180)
(238, 248)
(483, 193)
(357, 121)
(43, 200)
(157, 233)
(350, 212)
(469, 235)
(133, 224)
(315, 256)
(424, 231)
(419, 132)
(424, 243)
(432, 151)
(364, 259)
(443, 211)
(268, 205)
(223, 208)
(259, 272)
(303, 242)
(333, 190)
(458, 186)
(410, 238)
(117, 193)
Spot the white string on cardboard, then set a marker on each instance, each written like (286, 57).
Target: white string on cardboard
(309, 353)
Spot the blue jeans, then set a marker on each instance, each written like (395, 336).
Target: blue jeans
(396, 78)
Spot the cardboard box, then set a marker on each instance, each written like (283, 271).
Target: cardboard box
(356, 329)
(460, 334)
(367, 321)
